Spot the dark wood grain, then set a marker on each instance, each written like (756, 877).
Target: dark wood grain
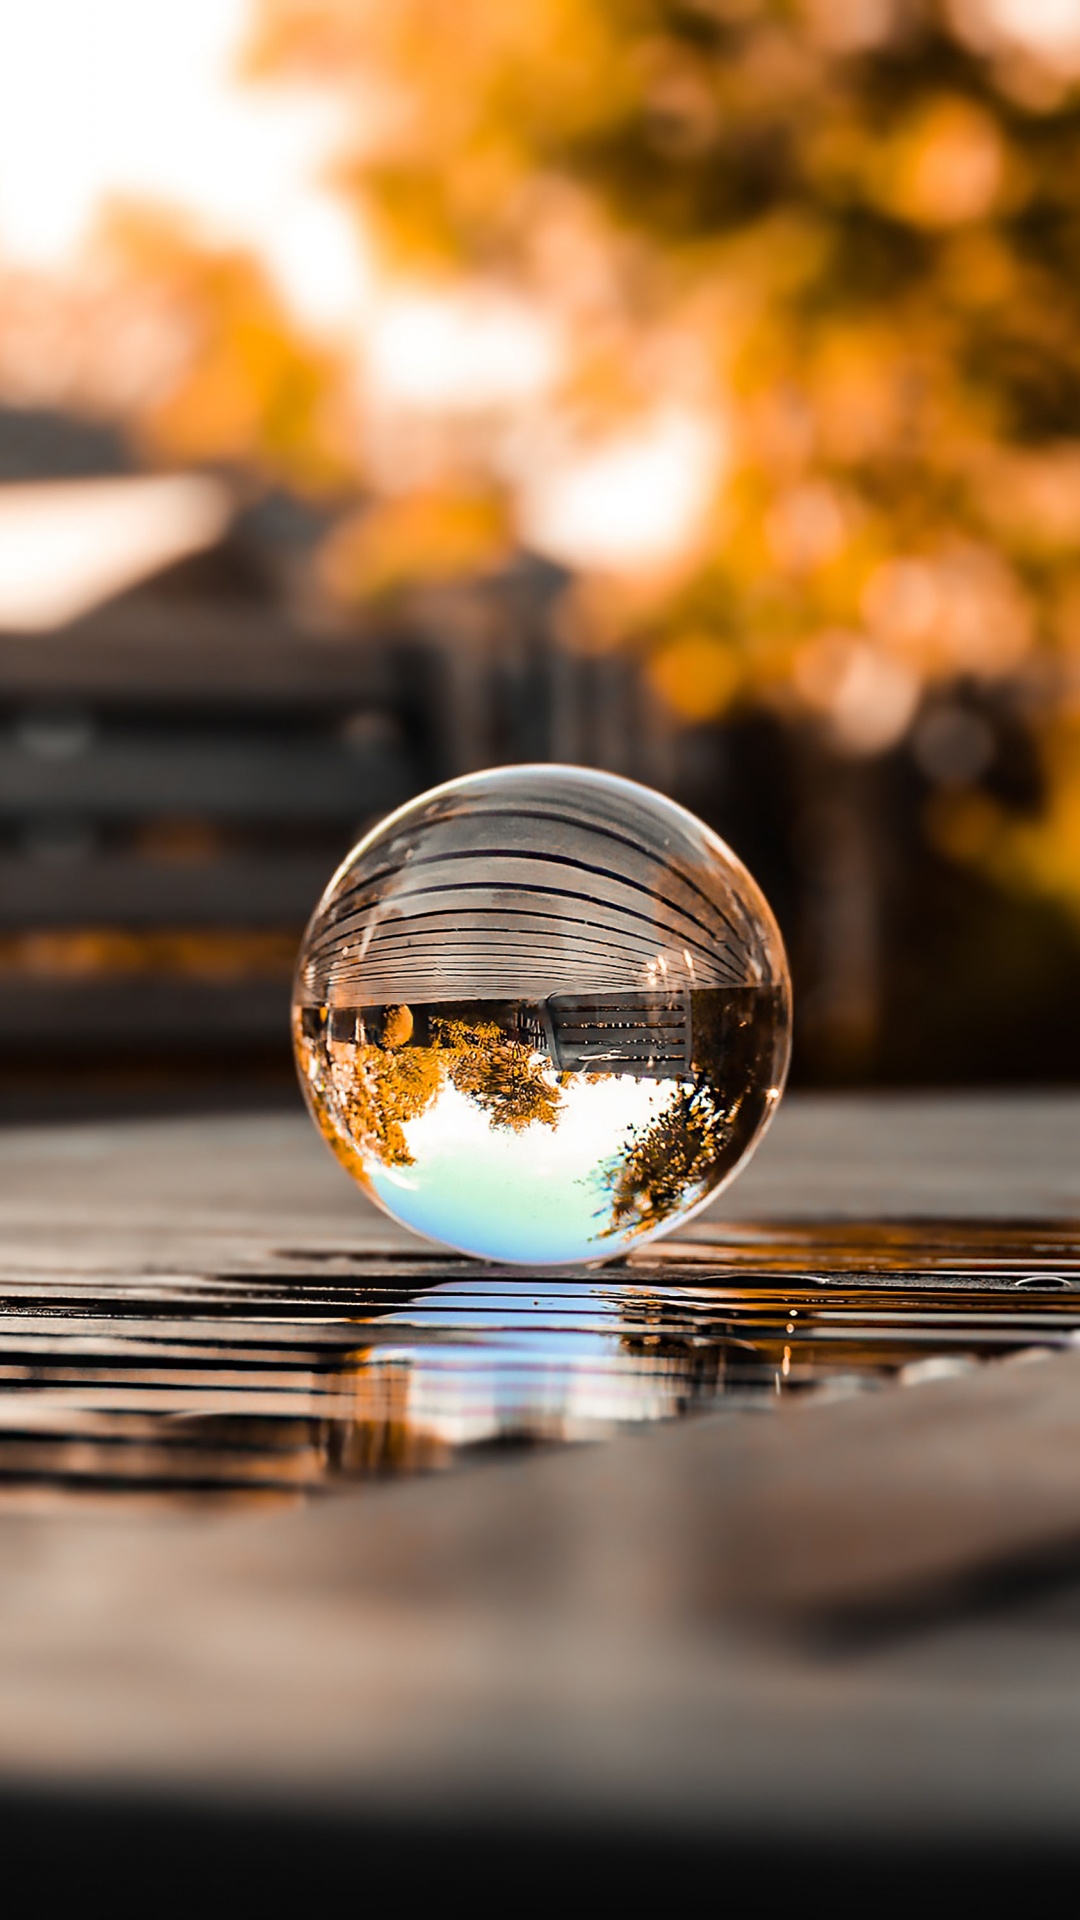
(739, 1626)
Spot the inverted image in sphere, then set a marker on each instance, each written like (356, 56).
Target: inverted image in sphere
(542, 1014)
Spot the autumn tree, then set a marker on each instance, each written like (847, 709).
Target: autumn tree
(239, 386)
(841, 240)
(376, 1087)
(379, 1090)
(499, 1074)
(673, 1159)
(709, 1117)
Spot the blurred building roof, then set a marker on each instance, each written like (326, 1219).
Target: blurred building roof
(78, 526)
(40, 443)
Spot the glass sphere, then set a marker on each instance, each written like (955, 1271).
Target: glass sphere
(542, 1014)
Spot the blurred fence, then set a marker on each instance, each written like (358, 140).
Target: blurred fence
(183, 766)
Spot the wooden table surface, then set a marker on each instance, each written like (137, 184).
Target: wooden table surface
(826, 1157)
(854, 1624)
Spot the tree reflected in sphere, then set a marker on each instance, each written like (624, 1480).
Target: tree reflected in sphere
(542, 1014)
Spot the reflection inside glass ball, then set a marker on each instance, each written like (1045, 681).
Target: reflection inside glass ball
(542, 1014)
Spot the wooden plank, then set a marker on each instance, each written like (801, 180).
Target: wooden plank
(263, 888)
(949, 1155)
(617, 1638)
(542, 1641)
(826, 1158)
(214, 775)
(141, 652)
(132, 1012)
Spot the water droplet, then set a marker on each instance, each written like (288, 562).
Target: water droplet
(542, 1014)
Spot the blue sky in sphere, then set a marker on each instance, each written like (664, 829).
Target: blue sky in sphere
(534, 1196)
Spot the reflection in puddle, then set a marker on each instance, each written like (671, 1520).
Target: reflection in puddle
(321, 1369)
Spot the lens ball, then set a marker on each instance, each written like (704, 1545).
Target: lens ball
(542, 1014)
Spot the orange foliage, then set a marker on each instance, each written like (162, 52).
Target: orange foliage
(845, 235)
(244, 389)
(429, 536)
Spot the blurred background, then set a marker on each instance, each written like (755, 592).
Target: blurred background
(388, 388)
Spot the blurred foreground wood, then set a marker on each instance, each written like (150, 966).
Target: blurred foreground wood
(853, 1621)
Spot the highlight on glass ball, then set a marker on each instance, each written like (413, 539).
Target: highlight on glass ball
(542, 1015)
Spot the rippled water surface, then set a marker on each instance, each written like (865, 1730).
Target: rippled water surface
(320, 1368)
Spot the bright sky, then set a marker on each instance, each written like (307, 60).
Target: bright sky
(108, 99)
(105, 98)
(631, 502)
(518, 1196)
(1049, 29)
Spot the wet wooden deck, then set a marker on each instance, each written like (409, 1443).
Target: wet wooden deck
(850, 1630)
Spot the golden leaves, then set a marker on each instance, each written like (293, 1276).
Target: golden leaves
(867, 256)
(696, 674)
(959, 611)
(423, 538)
(377, 1088)
(945, 166)
(242, 386)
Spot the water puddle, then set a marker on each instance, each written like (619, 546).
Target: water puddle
(305, 1369)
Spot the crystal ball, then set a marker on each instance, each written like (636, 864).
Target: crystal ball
(542, 1014)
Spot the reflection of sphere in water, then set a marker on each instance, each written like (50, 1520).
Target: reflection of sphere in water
(542, 1014)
